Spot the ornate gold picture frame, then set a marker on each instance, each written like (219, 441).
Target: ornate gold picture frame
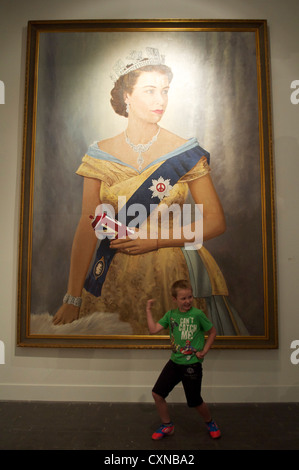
(219, 95)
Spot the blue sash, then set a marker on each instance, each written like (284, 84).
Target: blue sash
(172, 169)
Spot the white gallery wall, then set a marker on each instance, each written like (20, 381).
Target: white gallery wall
(128, 375)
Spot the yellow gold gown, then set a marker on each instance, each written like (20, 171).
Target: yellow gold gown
(134, 279)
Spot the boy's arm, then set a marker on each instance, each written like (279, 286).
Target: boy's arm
(211, 338)
(152, 325)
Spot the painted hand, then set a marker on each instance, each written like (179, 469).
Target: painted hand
(66, 314)
(134, 247)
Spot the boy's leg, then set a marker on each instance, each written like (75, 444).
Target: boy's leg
(167, 427)
(212, 427)
(162, 408)
(192, 386)
(204, 412)
(167, 380)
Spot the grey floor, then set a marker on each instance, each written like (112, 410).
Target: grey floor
(128, 427)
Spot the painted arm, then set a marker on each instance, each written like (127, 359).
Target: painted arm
(204, 193)
(82, 251)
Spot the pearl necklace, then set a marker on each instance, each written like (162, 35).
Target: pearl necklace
(141, 148)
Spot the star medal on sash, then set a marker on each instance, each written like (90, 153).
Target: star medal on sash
(160, 188)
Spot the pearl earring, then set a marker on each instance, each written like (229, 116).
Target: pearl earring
(127, 108)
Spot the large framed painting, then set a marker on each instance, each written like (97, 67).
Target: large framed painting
(147, 159)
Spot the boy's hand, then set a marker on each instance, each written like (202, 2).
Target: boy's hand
(200, 354)
(150, 303)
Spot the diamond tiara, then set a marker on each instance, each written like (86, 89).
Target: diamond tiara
(135, 60)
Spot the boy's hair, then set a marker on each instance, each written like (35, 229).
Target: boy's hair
(180, 284)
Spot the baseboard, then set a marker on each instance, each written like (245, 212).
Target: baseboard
(142, 394)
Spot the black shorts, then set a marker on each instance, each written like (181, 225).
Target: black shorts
(189, 375)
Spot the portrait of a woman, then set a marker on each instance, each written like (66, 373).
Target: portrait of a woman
(126, 272)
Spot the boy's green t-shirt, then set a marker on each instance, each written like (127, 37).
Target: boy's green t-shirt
(187, 333)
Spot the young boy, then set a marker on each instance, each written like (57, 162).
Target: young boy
(187, 326)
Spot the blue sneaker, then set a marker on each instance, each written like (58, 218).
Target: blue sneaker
(164, 430)
(213, 429)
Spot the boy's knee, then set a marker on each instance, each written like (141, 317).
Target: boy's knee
(157, 397)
